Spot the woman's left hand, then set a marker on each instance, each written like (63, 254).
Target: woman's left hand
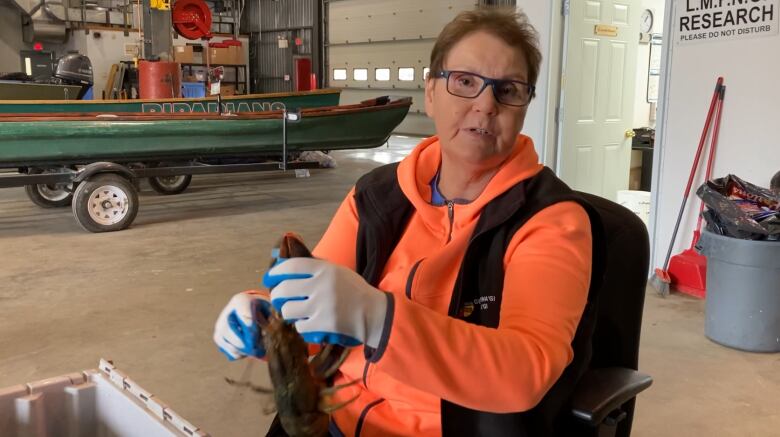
(328, 303)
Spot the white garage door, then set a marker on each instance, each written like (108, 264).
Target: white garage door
(383, 47)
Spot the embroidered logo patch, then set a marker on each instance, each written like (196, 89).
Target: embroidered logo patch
(480, 303)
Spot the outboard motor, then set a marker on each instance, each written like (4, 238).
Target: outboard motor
(75, 69)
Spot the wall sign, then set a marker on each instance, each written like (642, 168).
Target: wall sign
(722, 20)
(654, 68)
(132, 49)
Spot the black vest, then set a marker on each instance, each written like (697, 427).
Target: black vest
(384, 211)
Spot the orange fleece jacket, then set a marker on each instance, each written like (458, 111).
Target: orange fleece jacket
(430, 356)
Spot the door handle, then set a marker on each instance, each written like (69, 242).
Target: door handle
(630, 133)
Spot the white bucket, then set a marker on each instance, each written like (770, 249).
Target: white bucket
(636, 201)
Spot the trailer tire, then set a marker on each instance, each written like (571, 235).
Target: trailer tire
(48, 196)
(105, 202)
(168, 185)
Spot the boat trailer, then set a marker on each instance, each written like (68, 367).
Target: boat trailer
(104, 195)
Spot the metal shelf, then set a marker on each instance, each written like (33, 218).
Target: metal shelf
(241, 79)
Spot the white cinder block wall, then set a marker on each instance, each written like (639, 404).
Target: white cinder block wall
(642, 116)
(749, 144)
(539, 14)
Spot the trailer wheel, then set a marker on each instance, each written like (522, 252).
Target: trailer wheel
(105, 203)
(49, 196)
(170, 184)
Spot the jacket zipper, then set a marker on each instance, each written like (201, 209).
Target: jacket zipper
(451, 215)
(457, 292)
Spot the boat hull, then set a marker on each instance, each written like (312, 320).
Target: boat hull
(143, 138)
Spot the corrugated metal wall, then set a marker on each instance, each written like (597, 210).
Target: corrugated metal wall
(271, 21)
(376, 35)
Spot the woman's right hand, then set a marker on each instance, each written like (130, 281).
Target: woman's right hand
(236, 332)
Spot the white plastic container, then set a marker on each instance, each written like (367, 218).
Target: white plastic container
(94, 403)
(636, 201)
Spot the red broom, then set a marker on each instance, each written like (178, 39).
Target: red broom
(661, 279)
(688, 270)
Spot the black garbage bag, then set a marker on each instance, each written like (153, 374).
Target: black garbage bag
(739, 209)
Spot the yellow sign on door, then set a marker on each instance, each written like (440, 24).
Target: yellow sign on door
(606, 30)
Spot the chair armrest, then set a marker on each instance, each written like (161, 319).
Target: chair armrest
(601, 391)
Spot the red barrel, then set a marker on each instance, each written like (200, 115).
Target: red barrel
(159, 80)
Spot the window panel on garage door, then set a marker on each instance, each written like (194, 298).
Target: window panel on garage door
(387, 34)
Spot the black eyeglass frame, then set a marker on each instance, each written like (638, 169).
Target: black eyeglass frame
(487, 81)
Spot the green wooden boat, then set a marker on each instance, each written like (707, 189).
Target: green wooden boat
(45, 140)
(242, 103)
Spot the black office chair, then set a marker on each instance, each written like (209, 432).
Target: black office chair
(603, 402)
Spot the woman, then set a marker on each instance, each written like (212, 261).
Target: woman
(462, 273)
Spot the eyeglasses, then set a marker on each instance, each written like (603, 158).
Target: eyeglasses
(471, 85)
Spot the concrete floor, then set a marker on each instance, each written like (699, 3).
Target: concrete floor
(147, 298)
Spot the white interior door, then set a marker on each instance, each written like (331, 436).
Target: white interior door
(597, 95)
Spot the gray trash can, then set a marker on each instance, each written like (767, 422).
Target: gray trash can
(742, 306)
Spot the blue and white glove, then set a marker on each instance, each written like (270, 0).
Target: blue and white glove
(327, 302)
(236, 332)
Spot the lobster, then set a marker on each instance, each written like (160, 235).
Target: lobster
(301, 386)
